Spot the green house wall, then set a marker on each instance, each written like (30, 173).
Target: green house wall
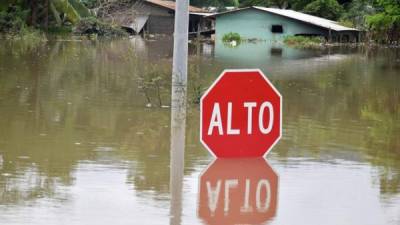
(254, 23)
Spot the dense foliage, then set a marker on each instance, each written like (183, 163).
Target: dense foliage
(41, 13)
(329, 9)
(385, 25)
(13, 19)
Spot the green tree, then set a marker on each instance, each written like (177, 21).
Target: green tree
(329, 9)
(385, 25)
(357, 11)
(38, 12)
(299, 4)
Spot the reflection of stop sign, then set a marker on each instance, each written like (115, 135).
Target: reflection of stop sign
(238, 191)
(240, 115)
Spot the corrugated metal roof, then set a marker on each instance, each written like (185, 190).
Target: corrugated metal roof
(171, 5)
(314, 20)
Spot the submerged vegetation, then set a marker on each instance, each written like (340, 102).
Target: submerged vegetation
(92, 26)
(304, 42)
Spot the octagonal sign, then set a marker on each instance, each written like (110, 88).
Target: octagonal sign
(241, 115)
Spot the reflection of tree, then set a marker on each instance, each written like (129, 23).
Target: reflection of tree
(348, 111)
(147, 142)
(72, 98)
(29, 186)
(60, 99)
(382, 111)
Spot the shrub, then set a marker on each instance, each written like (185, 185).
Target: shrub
(14, 28)
(13, 20)
(229, 37)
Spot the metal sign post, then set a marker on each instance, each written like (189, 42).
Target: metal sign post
(178, 108)
(181, 34)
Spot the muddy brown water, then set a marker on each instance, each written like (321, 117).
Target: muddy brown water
(85, 137)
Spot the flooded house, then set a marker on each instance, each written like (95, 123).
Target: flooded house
(274, 24)
(157, 17)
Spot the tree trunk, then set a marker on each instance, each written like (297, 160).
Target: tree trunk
(34, 7)
(46, 15)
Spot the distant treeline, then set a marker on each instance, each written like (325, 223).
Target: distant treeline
(380, 19)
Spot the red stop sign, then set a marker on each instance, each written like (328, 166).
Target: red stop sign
(241, 115)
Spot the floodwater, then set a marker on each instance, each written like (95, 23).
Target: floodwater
(86, 137)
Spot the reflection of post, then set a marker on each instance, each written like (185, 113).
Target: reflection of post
(178, 122)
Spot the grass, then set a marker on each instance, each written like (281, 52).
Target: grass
(26, 35)
(60, 30)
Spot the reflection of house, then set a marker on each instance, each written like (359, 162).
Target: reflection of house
(274, 24)
(157, 17)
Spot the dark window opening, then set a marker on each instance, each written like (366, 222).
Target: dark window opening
(277, 29)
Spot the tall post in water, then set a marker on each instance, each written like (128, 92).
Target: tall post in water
(181, 33)
(178, 108)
